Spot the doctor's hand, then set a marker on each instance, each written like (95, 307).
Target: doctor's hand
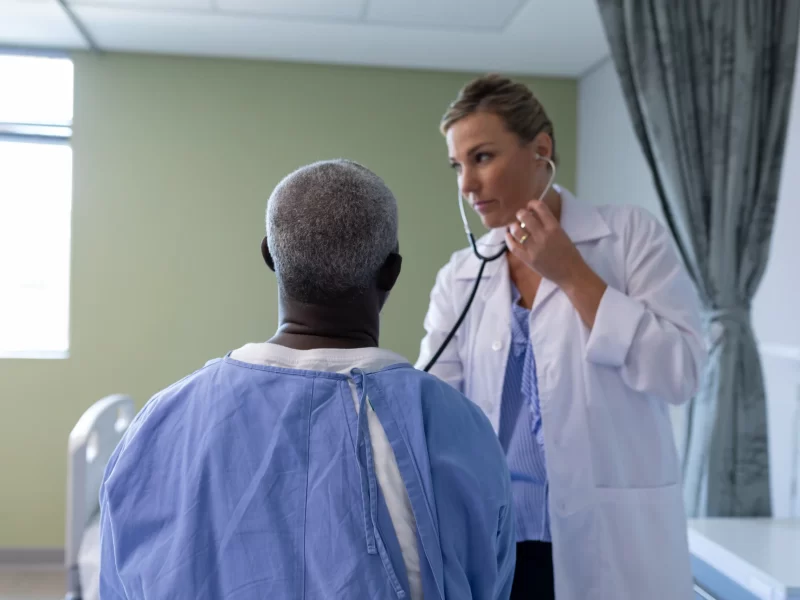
(540, 242)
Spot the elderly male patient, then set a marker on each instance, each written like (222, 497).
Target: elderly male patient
(315, 465)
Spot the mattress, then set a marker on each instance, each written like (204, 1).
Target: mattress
(89, 561)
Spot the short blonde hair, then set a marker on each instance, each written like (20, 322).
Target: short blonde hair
(512, 101)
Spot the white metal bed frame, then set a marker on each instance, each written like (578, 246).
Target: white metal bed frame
(91, 444)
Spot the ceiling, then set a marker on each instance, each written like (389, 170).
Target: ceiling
(536, 37)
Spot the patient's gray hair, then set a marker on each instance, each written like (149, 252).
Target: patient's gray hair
(330, 227)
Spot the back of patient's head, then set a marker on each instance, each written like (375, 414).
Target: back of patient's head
(330, 227)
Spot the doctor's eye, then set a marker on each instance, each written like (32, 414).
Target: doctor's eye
(482, 157)
(456, 167)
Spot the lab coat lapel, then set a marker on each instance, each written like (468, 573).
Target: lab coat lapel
(583, 224)
(489, 244)
(492, 329)
(494, 337)
(495, 273)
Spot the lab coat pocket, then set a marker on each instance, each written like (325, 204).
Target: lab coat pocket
(632, 444)
(646, 528)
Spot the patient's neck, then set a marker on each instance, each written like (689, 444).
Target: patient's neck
(352, 323)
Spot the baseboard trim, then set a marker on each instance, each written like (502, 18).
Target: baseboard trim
(32, 557)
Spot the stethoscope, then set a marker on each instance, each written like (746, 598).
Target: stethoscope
(484, 261)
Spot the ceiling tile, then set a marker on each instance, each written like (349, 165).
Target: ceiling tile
(562, 38)
(36, 24)
(193, 5)
(560, 49)
(444, 14)
(350, 10)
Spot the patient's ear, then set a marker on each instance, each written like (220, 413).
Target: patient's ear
(390, 272)
(266, 255)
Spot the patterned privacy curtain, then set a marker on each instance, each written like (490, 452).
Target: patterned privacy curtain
(708, 86)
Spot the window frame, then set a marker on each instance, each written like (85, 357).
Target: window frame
(43, 134)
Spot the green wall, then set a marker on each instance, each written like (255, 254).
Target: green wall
(173, 162)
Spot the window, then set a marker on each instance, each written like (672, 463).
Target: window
(35, 205)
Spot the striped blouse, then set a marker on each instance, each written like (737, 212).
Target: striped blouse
(521, 430)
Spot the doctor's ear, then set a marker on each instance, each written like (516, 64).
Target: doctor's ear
(543, 146)
(266, 255)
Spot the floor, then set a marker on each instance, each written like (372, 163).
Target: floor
(18, 583)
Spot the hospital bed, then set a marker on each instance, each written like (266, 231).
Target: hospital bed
(91, 443)
(745, 559)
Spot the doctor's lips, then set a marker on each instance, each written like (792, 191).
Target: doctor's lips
(483, 206)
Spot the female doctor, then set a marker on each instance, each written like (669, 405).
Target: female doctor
(578, 340)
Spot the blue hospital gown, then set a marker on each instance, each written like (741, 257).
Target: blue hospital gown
(247, 481)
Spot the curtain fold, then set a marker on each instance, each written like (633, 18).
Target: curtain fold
(708, 87)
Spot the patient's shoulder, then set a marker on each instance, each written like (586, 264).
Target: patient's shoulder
(166, 409)
(462, 446)
(149, 448)
(451, 420)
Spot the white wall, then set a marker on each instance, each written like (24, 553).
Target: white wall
(612, 170)
(611, 166)
(776, 320)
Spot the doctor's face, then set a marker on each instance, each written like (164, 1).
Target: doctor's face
(497, 173)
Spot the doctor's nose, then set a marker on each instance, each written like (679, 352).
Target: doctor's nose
(468, 183)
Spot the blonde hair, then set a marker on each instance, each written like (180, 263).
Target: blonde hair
(512, 101)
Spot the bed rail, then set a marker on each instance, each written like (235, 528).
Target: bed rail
(91, 443)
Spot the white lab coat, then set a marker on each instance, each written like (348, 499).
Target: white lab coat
(617, 517)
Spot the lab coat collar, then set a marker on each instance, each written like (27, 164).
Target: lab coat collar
(581, 221)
